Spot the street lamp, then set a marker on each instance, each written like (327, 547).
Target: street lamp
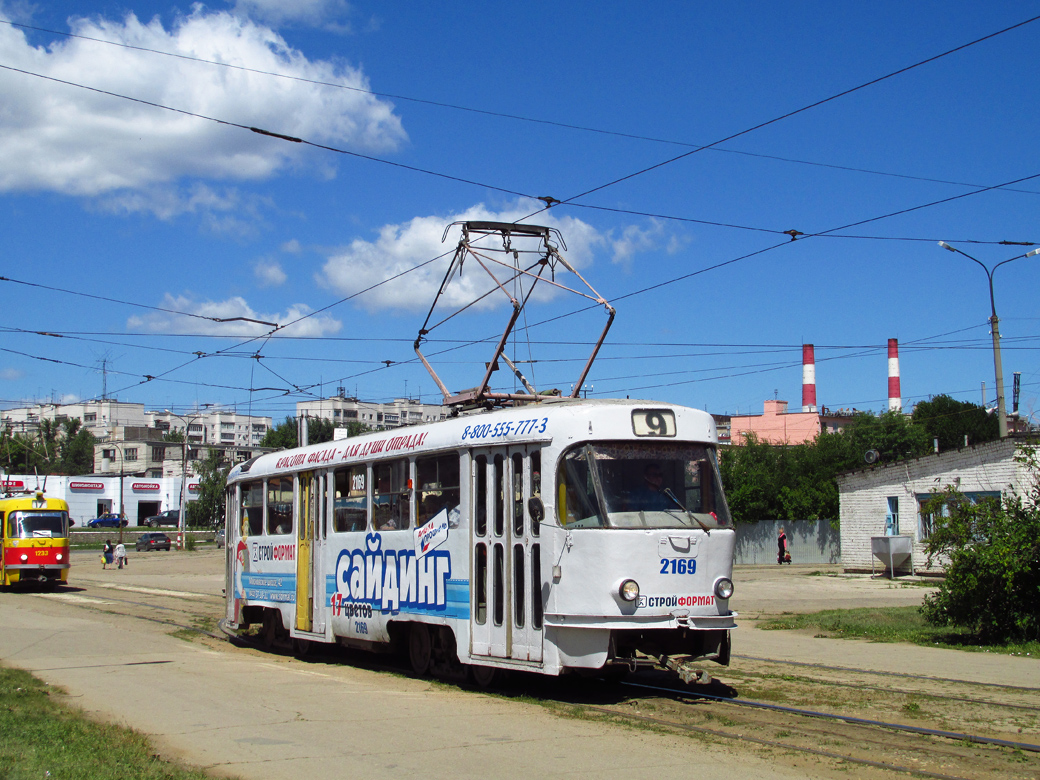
(181, 513)
(995, 330)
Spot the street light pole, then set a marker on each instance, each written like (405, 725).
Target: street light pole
(182, 512)
(994, 322)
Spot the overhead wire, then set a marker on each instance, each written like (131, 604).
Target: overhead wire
(480, 111)
(595, 189)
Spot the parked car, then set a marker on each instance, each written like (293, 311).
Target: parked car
(152, 541)
(219, 538)
(169, 517)
(109, 520)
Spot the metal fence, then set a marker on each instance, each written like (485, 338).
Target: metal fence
(809, 541)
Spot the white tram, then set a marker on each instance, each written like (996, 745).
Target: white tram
(550, 537)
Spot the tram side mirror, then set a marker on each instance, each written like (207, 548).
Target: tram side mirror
(536, 509)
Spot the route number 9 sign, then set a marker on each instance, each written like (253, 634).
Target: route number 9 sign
(653, 422)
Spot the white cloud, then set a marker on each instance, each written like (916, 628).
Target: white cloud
(399, 248)
(291, 247)
(269, 273)
(11, 374)
(635, 239)
(178, 319)
(57, 137)
(316, 13)
(224, 211)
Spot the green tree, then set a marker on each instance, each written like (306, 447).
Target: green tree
(319, 429)
(76, 449)
(281, 436)
(173, 436)
(951, 421)
(208, 508)
(799, 482)
(992, 584)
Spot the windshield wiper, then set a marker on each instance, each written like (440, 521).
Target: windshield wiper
(668, 492)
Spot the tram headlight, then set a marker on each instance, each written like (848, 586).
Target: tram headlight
(723, 587)
(24, 557)
(629, 590)
(59, 556)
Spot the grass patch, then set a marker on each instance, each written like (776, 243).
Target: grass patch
(892, 624)
(42, 737)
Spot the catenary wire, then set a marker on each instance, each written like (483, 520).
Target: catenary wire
(485, 112)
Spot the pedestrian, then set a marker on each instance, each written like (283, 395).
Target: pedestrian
(106, 554)
(781, 542)
(120, 555)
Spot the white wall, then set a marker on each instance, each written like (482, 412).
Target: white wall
(83, 500)
(864, 495)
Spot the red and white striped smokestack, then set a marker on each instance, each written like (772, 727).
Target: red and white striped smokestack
(808, 378)
(895, 400)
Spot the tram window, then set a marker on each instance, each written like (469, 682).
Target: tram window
(633, 485)
(391, 496)
(500, 495)
(518, 585)
(536, 486)
(438, 480)
(279, 505)
(30, 525)
(480, 502)
(518, 494)
(536, 586)
(500, 585)
(350, 510)
(480, 591)
(252, 508)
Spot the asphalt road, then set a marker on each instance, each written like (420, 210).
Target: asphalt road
(247, 714)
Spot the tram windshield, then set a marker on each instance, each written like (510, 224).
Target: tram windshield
(37, 525)
(641, 485)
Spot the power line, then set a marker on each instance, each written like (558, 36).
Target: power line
(487, 112)
(802, 110)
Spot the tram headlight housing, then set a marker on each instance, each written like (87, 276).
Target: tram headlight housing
(629, 590)
(24, 557)
(59, 556)
(723, 587)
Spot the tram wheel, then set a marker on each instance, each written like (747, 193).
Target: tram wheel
(483, 676)
(420, 648)
(269, 629)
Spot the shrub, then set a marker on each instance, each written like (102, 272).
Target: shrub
(992, 585)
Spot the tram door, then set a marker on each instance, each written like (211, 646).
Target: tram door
(507, 602)
(305, 506)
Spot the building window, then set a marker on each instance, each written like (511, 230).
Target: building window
(892, 517)
(110, 454)
(158, 453)
(130, 453)
(926, 520)
(90, 417)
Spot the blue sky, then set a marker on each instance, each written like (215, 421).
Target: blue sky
(169, 219)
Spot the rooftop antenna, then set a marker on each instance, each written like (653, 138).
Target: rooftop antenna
(541, 242)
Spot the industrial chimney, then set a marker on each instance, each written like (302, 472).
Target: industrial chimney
(808, 378)
(895, 400)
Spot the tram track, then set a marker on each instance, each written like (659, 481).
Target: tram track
(835, 741)
(886, 673)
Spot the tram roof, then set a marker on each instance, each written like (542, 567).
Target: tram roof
(442, 435)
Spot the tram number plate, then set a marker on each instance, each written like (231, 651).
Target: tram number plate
(678, 566)
(653, 422)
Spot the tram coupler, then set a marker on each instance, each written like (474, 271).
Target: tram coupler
(686, 670)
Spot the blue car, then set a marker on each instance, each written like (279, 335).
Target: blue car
(110, 520)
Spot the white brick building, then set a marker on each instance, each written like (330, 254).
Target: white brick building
(885, 500)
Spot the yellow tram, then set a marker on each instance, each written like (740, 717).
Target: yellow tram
(35, 541)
